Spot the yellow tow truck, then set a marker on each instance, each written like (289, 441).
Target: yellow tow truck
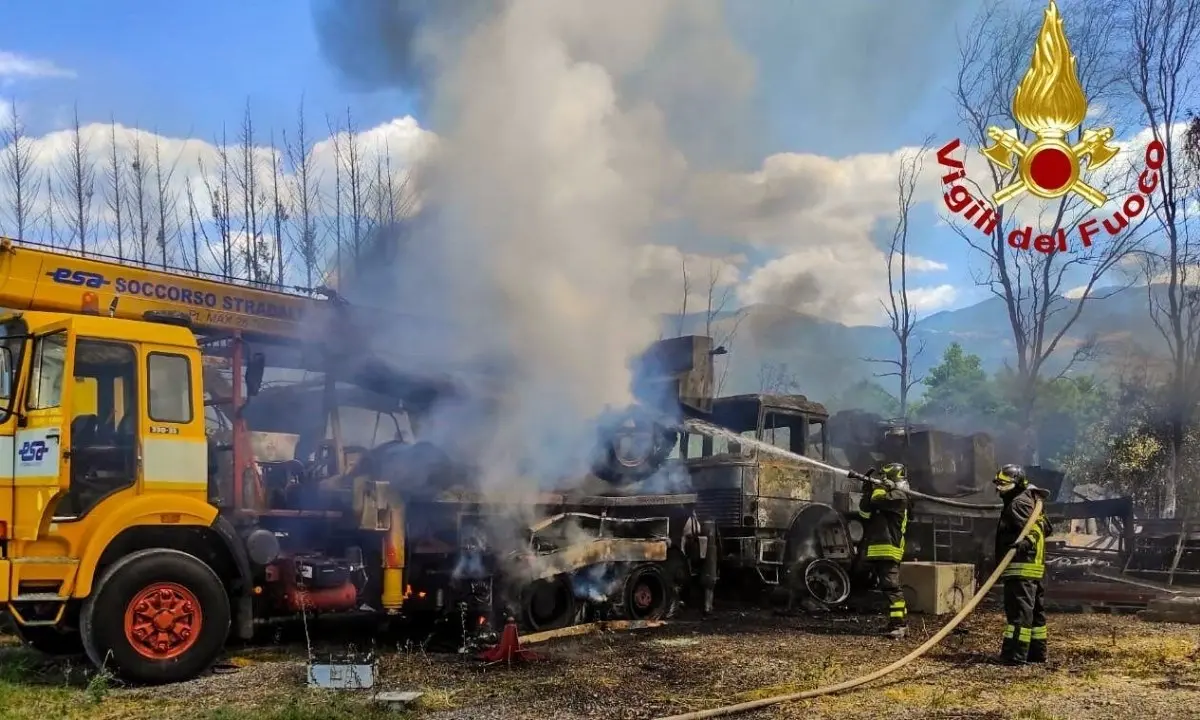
(110, 532)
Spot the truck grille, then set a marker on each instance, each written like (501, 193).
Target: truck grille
(723, 505)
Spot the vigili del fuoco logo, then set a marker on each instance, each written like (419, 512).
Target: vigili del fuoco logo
(1049, 103)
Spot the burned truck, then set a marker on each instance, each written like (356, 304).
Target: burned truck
(775, 515)
(622, 541)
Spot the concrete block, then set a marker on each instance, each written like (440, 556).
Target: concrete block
(937, 588)
(1177, 609)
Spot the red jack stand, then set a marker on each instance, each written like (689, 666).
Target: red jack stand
(509, 648)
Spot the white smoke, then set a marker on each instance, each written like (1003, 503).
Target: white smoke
(559, 159)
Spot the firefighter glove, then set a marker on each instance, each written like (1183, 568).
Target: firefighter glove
(1023, 544)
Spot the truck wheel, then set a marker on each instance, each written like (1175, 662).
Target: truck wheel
(159, 616)
(51, 640)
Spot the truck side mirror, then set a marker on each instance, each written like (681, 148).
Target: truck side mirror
(255, 366)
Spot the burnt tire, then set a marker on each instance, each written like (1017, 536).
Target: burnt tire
(156, 616)
(51, 640)
(549, 604)
(648, 593)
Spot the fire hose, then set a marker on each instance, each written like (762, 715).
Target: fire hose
(882, 672)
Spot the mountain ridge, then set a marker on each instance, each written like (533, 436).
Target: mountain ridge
(825, 357)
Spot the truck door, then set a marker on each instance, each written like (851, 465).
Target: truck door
(42, 462)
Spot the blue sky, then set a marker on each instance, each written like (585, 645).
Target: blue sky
(864, 76)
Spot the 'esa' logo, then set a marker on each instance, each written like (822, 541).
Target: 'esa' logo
(32, 451)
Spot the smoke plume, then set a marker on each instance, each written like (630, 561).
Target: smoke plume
(566, 131)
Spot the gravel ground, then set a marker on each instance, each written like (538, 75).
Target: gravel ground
(1104, 667)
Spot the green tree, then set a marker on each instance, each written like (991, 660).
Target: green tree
(959, 393)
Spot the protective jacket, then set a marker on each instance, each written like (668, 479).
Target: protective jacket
(1030, 560)
(885, 521)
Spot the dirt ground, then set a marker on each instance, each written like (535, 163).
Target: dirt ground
(1102, 667)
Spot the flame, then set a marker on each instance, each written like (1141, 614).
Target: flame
(1050, 101)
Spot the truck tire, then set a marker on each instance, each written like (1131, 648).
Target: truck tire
(51, 640)
(156, 616)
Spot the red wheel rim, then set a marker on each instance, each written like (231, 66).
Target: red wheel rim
(643, 596)
(163, 621)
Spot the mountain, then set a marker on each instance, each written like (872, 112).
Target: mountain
(825, 357)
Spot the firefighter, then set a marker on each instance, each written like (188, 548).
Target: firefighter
(884, 510)
(1025, 616)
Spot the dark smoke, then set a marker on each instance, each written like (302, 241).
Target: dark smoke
(392, 44)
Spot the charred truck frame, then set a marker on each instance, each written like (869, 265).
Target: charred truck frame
(154, 503)
(776, 517)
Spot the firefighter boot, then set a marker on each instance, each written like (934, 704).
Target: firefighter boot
(896, 630)
(1037, 651)
(1013, 652)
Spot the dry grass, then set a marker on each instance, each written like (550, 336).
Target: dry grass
(1102, 667)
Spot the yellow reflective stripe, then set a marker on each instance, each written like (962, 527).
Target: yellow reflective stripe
(888, 552)
(1038, 633)
(897, 604)
(896, 614)
(903, 531)
(864, 514)
(1024, 635)
(1032, 571)
(1008, 632)
(878, 493)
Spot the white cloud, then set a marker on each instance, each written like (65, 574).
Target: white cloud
(14, 66)
(821, 217)
(926, 299)
(919, 264)
(392, 147)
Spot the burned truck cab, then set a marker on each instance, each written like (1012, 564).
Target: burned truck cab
(773, 512)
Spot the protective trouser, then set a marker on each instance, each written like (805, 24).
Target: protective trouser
(888, 573)
(1025, 616)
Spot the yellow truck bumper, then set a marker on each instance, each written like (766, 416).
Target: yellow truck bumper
(5, 579)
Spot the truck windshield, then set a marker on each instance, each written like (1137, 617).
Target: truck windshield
(12, 344)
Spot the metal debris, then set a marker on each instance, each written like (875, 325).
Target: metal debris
(342, 672)
(397, 700)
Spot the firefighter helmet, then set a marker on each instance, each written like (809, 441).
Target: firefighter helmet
(896, 474)
(1009, 477)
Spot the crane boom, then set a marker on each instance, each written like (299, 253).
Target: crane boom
(33, 278)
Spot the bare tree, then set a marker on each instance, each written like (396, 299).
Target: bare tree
(719, 296)
(114, 189)
(279, 213)
(140, 200)
(256, 254)
(776, 379)
(17, 168)
(356, 190)
(1164, 39)
(995, 55)
(897, 306)
(78, 175)
(305, 198)
(192, 222)
(51, 208)
(681, 325)
(335, 133)
(218, 191)
(165, 203)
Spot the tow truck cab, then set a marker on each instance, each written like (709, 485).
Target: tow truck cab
(101, 429)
